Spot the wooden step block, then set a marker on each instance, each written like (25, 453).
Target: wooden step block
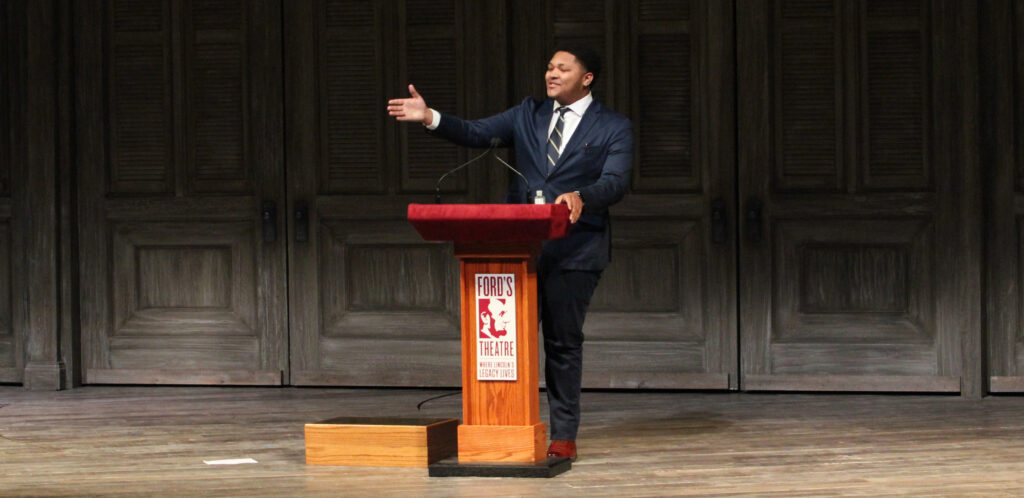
(376, 441)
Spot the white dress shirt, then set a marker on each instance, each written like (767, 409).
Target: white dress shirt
(572, 118)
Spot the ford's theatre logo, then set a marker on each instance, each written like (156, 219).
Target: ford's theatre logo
(496, 326)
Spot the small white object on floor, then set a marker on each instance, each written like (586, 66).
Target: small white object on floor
(230, 461)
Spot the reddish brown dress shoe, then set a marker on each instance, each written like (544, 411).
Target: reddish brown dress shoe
(564, 449)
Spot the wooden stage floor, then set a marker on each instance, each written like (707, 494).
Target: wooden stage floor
(153, 440)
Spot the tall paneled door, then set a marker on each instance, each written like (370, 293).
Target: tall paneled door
(183, 271)
(852, 196)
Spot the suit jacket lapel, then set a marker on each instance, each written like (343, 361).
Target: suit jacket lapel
(541, 122)
(579, 136)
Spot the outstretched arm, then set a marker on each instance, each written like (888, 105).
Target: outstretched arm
(411, 109)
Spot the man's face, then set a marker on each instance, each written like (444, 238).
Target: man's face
(502, 318)
(566, 79)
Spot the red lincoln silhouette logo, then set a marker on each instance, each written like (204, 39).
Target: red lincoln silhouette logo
(495, 318)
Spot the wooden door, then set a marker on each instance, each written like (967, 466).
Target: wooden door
(179, 138)
(663, 315)
(11, 357)
(859, 252)
(1003, 152)
(371, 303)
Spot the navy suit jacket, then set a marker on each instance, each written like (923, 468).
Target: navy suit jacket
(596, 161)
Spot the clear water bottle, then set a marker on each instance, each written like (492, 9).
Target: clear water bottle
(538, 198)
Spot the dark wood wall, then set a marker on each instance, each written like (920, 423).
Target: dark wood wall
(11, 357)
(1002, 154)
(37, 267)
(209, 191)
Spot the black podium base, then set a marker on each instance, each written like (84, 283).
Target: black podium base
(450, 467)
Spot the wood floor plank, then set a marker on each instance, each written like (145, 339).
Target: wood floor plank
(131, 441)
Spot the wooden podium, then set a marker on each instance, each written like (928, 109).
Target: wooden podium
(497, 246)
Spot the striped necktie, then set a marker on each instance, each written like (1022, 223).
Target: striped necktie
(555, 140)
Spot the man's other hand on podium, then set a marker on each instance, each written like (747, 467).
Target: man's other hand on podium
(574, 202)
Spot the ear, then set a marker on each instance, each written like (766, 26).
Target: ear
(588, 79)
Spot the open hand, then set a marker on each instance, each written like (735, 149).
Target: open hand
(411, 109)
(575, 203)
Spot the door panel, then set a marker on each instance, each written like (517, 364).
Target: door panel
(867, 277)
(387, 301)
(371, 302)
(180, 145)
(663, 315)
(850, 197)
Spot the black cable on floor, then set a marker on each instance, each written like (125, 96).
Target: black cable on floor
(421, 403)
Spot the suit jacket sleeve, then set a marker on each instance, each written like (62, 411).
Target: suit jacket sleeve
(479, 132)
(611, 186)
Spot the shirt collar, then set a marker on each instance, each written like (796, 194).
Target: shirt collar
(578, 107)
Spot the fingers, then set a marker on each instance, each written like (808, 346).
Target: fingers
(396, 110)
(399, 108)
(413, 92)
(574, 203)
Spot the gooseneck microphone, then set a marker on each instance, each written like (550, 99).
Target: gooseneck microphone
(495, 142)
(526, 183)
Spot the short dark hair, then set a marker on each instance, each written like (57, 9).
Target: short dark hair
(586, 55)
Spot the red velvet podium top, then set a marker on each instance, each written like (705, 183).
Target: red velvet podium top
(490, 222)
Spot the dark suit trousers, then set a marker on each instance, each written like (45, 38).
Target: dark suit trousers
(564, 298)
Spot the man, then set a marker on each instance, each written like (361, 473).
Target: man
(577, 152)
